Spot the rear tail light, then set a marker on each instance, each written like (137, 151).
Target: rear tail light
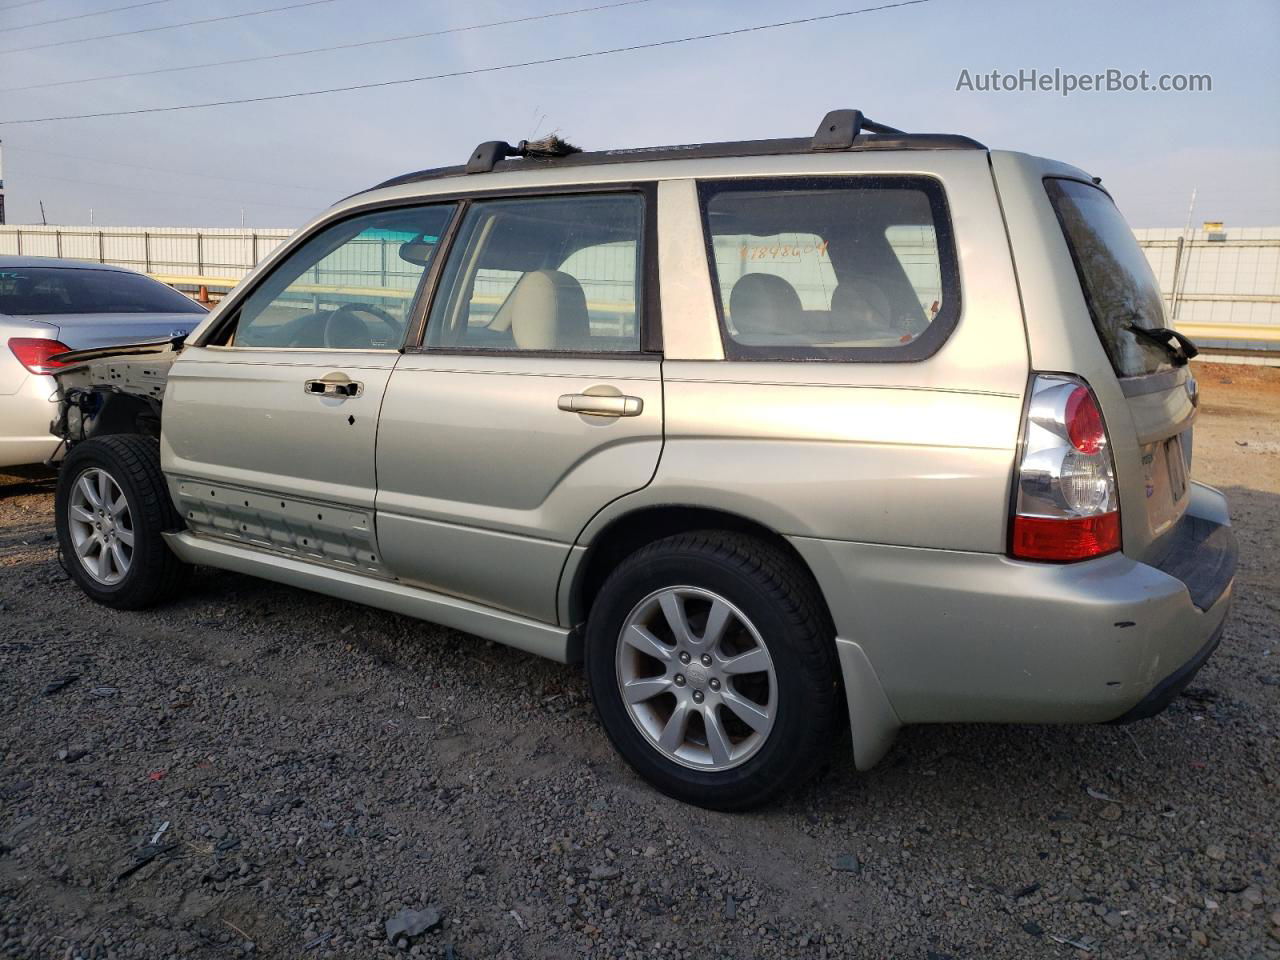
(34, 353)
(1065, 505)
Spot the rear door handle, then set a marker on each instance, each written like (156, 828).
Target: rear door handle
(333, 385)
(601, 406)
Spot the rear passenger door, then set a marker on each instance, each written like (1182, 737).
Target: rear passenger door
(534, 399)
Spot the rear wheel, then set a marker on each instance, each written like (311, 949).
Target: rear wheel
(711, 663)
(112, 507)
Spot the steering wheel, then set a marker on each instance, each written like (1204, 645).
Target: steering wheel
(344, 330)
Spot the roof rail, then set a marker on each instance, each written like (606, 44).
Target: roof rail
(839, 130)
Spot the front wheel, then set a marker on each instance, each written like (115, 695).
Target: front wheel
(711, 662)
(112, 507)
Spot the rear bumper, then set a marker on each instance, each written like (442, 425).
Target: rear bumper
(1172, 685)
(968, 637)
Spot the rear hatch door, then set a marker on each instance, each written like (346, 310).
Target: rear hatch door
(1126, 306)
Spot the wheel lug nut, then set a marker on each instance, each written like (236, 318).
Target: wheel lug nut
(715, 684)
(684, 656)
(706, 659)
(697, 696)
(679, 679)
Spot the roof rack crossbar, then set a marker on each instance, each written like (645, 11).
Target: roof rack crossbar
(486, 156)
(840, 128)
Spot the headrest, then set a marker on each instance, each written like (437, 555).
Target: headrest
(546, 310)
(763, 303)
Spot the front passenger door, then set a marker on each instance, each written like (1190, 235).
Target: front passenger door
(270, 422)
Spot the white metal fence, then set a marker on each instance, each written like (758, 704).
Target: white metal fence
(1227, 281)
(216, 253)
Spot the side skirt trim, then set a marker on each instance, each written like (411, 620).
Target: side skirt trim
(541, 639)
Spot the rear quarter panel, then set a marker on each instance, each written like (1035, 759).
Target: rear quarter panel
(916, 454)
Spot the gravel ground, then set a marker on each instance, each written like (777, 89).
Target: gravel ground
(258, 770)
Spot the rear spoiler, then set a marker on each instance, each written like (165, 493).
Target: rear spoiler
(141, 348)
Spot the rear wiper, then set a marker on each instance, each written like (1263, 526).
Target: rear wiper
(1179, 346)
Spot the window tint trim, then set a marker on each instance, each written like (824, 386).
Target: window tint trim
(649, 303)
(230, 316)
(922, 347)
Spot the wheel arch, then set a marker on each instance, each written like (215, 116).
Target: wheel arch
(628, 532)
(97, 411)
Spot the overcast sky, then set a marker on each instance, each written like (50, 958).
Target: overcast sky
(281, 162)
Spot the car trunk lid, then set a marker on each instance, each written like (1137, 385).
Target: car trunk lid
(87, 331)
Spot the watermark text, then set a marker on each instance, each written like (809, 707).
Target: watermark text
(1065, 83)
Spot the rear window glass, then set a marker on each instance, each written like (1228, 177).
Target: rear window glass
(850, 268)
(44, 291)
(1118, 283)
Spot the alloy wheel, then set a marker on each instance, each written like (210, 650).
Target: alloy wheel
(696, 678)
(101, 526)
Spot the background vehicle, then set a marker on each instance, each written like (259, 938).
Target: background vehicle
(50, 306)
(774, 435)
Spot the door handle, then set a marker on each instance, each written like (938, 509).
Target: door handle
(601, 406)
(333, 385)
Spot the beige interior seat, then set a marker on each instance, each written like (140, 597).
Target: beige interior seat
(546, 310)
(761, 303)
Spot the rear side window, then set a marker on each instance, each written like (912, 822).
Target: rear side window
(47, 291)
(850, 268)
(1117, 281)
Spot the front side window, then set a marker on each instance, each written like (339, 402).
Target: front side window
(1119, 286)
(351, 286)
(832, 268)
(543, 274)
(48, 291)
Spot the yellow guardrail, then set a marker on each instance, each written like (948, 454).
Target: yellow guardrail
(183, 281)
(1256, 332)
(1260, 332)
(176, 280)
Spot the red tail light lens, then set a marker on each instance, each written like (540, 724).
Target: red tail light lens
(1084, 421)
(1066, 506)
(1066, 538)
(34, 353)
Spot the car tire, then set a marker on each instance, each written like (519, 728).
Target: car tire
(749, 735)
(112, 507)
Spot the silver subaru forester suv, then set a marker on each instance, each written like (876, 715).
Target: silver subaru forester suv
(780, 437)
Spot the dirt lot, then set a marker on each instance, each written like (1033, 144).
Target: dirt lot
(261, 770)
